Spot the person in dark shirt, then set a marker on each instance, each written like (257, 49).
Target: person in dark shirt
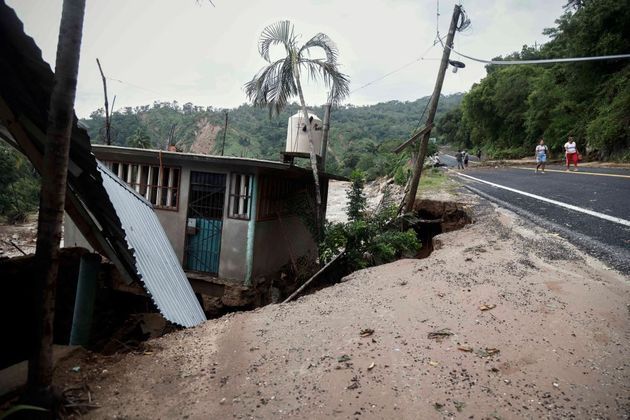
(460, 159)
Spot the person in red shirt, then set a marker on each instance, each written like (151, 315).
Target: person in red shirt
(571, 153)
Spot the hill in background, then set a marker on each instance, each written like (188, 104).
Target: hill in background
(361, 137)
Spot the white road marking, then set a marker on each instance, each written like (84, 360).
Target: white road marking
(580, 172)
(557, 203)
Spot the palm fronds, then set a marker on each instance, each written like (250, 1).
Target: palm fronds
(279, 33)
(274, 85)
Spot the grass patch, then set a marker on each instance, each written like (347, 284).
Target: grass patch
(432, 179)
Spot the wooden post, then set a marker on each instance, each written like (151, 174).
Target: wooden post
(224, 133)
(435, 98)
(108, 138)
(325, 130)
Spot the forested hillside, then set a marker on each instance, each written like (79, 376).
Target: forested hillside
(361, 137)
(513, 106)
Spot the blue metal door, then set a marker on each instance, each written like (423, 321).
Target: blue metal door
(205, 221)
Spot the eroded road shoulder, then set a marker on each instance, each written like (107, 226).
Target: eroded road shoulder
(502, 320)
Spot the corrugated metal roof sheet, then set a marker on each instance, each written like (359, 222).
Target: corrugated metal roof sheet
(156, 262)
(126, 231)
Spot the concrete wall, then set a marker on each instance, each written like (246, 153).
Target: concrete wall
(72, 236)
(271, 244)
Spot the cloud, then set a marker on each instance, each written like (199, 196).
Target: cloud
(189, 51)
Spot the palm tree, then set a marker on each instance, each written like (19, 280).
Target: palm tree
(279, 81)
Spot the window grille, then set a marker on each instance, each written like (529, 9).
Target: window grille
(240, 196)
(157, 184)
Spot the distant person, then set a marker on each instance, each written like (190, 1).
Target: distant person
(460, 159)
(479, 154)
(571, 153)
(541, 155)
(466, 159)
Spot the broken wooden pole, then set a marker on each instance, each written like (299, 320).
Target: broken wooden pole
(309, 281)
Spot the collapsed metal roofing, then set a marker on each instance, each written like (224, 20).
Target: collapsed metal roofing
(111, 216)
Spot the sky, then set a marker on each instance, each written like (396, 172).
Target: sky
(192, 51)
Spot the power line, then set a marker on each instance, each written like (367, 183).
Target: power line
(421, 58)
(134, 86)
(546, 60)
(539, 61)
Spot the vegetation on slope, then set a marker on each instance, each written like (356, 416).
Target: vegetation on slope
(361, 137)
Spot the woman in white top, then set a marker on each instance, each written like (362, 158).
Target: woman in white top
(541, 155)
(571, 152)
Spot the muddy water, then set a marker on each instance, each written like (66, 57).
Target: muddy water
(338, 200)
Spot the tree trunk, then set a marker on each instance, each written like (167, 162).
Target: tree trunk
(52, 197)
(318, 193)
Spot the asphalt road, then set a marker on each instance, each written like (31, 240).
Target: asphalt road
(598, 220)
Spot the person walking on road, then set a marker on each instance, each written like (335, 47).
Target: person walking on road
(466, 159)
(571, 153)
(541, 155)
(460, 159)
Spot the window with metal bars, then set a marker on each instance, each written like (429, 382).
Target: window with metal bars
(157, 184)
(240, 196)
(274, 193)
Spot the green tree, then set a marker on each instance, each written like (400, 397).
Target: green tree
(140, 139)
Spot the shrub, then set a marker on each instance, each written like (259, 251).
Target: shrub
(368, 238)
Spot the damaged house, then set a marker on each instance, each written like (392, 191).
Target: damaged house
(234, 223)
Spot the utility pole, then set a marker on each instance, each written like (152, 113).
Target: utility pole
(435, 98)
(224, 133)
(325, 129)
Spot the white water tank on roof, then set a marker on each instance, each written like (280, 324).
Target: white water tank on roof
(297, 137)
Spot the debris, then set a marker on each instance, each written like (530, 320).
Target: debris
(402, 283)
(441, 294)
(366, 332)
(487, 306)
(354, 384)
(465, 348)
(459, 405)
(76, 368)
(371, 366)
(433, 363)
(556, 385)
(487, 352)
(440, 334)
(223, 400)
(343, 358)
(438, 406)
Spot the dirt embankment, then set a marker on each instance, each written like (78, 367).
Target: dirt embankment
(205, 137)
(551, 342)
